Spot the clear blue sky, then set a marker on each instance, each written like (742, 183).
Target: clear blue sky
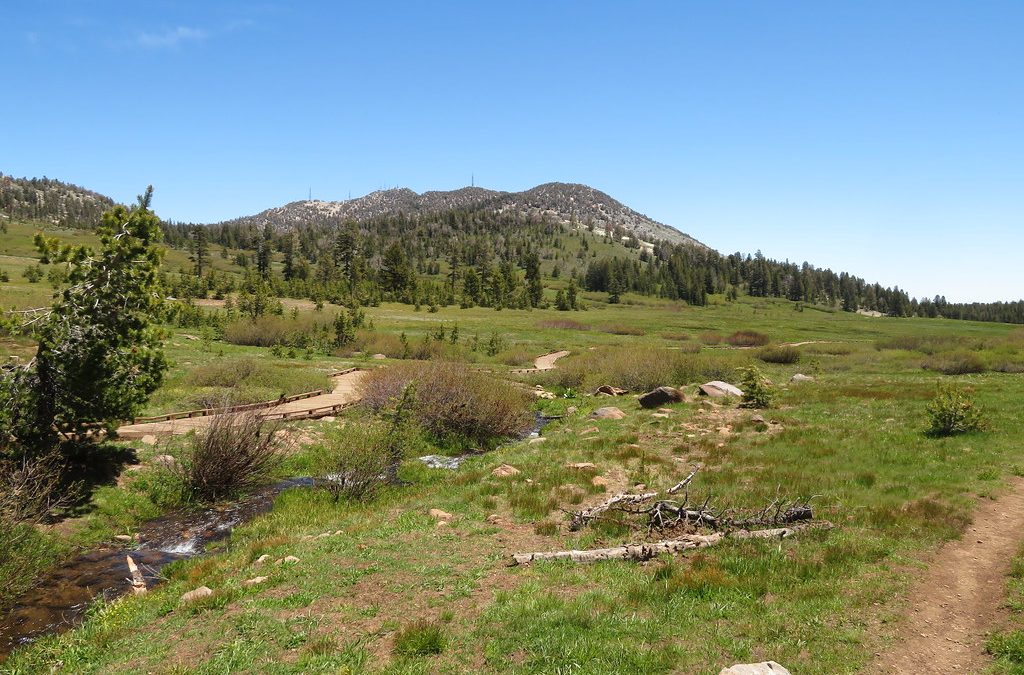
(882, 138)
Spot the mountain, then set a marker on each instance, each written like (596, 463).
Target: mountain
(561, 202)
(51, 201)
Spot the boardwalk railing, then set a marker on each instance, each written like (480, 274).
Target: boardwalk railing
(204, 412)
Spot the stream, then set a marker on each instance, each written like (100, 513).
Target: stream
(61, 596)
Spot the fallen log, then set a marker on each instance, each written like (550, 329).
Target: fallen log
(138, 581)
(625, 499)
(646, 551)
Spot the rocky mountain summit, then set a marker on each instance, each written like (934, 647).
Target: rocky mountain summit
(561, 202)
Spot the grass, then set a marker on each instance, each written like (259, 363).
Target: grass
(1007, 645)
(823, 602)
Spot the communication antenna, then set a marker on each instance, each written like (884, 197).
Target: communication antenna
(472, 180)
(310, 193)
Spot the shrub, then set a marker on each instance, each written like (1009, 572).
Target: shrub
(622, 329)
(361, 459)
(710, 338)
(953, 411)
(956, 363)
(784, 355)
(234, 454)
(562, 324)
(420, 638)
(452, 400)
(757, 390)
(518, 355)
(747, 338)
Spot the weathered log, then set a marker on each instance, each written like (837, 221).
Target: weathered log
(625, 499)
(138, 581)
(648, 550)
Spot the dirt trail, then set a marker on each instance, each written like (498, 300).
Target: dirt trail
(345, 391)
(958, 599)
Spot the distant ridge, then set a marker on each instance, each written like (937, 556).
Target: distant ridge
(562, 202)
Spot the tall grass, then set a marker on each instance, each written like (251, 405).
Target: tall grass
(644, 368)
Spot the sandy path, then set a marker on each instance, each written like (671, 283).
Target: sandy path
(547, 362)
(959, 597)
(344, 392)
(542, 363)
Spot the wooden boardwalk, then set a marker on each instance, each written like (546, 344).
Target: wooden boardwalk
(344, 394)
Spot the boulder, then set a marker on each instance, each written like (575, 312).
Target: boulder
(800, 377)
(764, 668)
(660, 396)
(504, 471)
(607, 413)
(719, 389)
(609, 390)
(439, 514)
(197, 594)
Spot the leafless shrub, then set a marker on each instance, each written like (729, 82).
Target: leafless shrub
(234, 454)
(747, 338)
(562, 324)
(32, 488)
(451, 399)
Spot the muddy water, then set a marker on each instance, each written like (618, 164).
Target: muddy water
(61, 596)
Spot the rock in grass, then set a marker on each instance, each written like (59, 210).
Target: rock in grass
(607, 413)
(504, 471)
(660, 396)
(262, 559)
(581, 466)
(438, 514)
(599, 481)
(764, 668)
(442, 462)
(719, 389)
(588, 430)
(609, 390)
(197, 594)
(254, 581)
(800, 377)
(149, 439)
(288, 560)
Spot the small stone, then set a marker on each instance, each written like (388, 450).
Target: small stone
(571, 410)
(123, 537)
(262, 559)
(589, 430)
(665, 411)
(337, 533)
(581, 466)
(442, 523)
(800, 377)
(328, 418)
(599, 481)
(165, 461)
(719, 389)
(440, 515)
(758, 419)
(607, 413)
(608, 390)
(254, 581)
(494, 519)
(504, 471)
(149, 439)
(659, 415)
(378, 357)
(535, 441)
(288, 560)
(197, 594)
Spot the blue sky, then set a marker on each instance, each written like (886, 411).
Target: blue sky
(881, 138)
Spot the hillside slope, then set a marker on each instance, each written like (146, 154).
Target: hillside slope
(50, 201)
(560, 202)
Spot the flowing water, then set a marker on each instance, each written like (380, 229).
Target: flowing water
(61, 596)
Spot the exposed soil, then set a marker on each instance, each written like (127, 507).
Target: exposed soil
(958, 600)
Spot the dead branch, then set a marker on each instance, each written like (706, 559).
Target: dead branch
(684, 482)
(581, 518)
(138, 582)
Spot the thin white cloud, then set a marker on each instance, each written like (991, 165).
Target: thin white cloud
(171, 38)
